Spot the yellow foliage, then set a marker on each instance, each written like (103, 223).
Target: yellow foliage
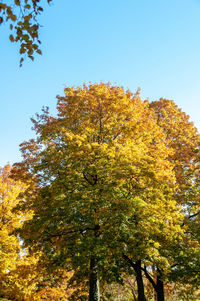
(18, 270)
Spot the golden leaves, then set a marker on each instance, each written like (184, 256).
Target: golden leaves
(108, 166)
(13, 260)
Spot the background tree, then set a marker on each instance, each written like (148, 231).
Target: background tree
(18, 270)
(21, 15)
(177, 251)
(183, 138)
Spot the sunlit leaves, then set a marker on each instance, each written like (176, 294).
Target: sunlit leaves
(18, 269)
(100, 182)
(184, 139)
(22, 16)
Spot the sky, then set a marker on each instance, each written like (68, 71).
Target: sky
(149, 44)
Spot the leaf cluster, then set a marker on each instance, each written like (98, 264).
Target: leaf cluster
(22, 18)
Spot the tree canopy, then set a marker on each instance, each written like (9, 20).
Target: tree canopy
(102, 183)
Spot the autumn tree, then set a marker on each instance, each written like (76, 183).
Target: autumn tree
(9, 220)
(100, 185)
(178, 256)
(18, 269)
(183, 255)
(22, 18)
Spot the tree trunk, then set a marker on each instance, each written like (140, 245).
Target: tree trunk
(153, 279)
(158, 286)
(160, 289)
(94, 293)
(140, 285)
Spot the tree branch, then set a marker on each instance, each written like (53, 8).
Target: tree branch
(149, 277)
(129, 260)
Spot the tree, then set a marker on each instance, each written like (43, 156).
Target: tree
(9, 221)
(177, 251)
(21, 16)
(183, 138)
(98, 175)
(18, 269)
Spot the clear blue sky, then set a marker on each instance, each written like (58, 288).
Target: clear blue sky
(151, 44)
